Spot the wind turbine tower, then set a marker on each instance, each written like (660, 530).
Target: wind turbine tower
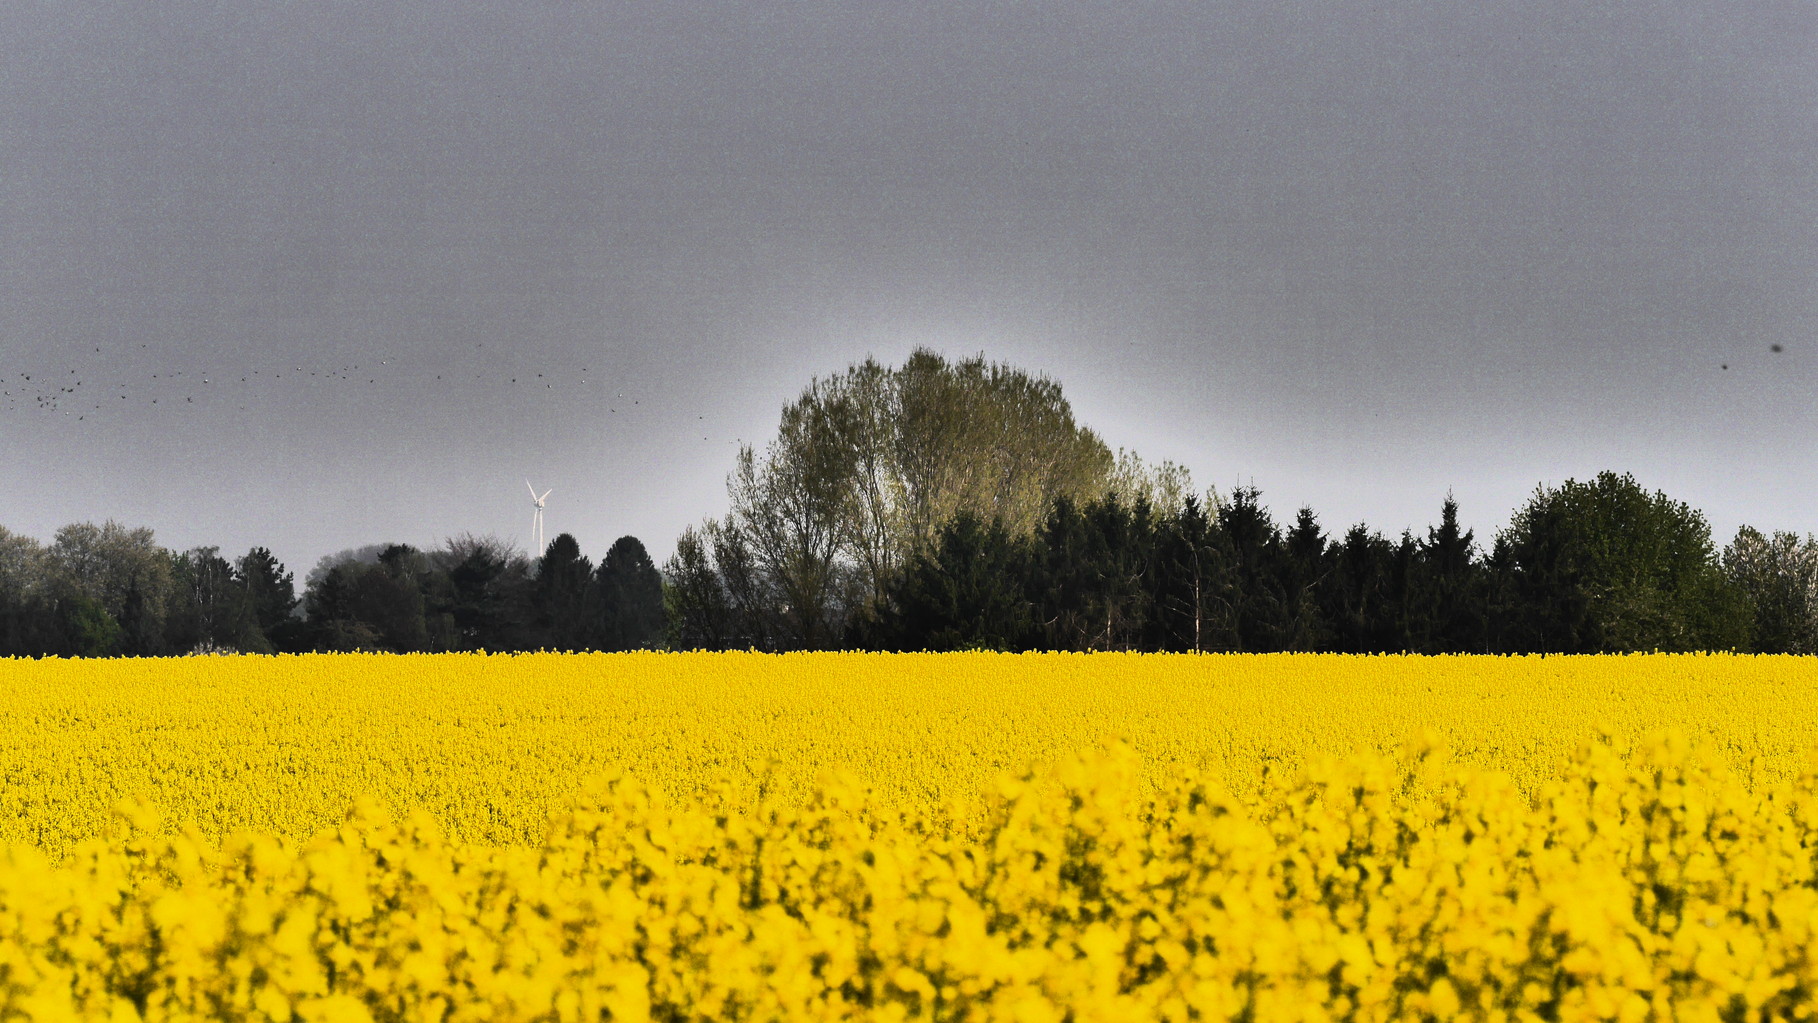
(536, 520)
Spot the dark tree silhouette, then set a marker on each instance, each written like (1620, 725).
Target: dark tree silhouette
(85, 629)
(752, 622)
(694, 599)
(567, 600)
(209, 608)
(1606, 566)
(272, 596)
(631, 598)
(963, 594)
(1779, 574)
(488, 599)
(1123, 549)
(1188, 565)
(1304, 570)
(334, 623)
(388, 597)
(1359, 594)
(1449, 595)
(1254, 607)
(1063, 577)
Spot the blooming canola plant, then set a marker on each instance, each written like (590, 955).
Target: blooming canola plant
(956, 837)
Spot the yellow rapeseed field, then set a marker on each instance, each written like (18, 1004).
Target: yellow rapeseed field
(953, 837)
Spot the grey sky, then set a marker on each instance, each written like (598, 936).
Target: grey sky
(1355, 254)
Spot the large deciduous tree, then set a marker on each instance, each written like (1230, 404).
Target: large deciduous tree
(986, 438)
(869, 463)
(209, 610)
(27, 623)
(1780, 575)
(123, 571)
(1606, 566)
(792, 508)
(694, 598)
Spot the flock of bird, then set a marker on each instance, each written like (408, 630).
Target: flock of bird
(79, 392)
(1775, 348)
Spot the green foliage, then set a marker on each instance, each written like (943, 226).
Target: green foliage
(567, 599)
(1779, 575)
(121, 569)
(1606, 566)
(210, 609)
(87, 629)
(965, 593)
(698, 610)
(272, 597)
(631, 598)
(868, 464)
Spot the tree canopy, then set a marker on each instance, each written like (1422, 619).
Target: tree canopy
(1605, 565)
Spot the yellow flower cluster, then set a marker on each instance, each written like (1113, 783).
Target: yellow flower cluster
(492, 745)
(852, 837)
(1645, 886)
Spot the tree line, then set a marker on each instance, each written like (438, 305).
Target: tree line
(941, 506)
(1601, 566)
(109, 590)
(957, 505)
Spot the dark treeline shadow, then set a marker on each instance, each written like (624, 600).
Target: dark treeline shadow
(100, 591)
(1599, 566)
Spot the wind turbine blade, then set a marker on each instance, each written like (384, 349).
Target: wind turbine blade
(546, 493)
(533, 490)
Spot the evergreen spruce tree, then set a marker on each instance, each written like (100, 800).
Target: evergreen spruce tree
(631, 598)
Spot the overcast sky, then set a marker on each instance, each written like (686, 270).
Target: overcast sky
(1354, 254)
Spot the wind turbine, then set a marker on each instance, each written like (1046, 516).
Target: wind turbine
(536, 518)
